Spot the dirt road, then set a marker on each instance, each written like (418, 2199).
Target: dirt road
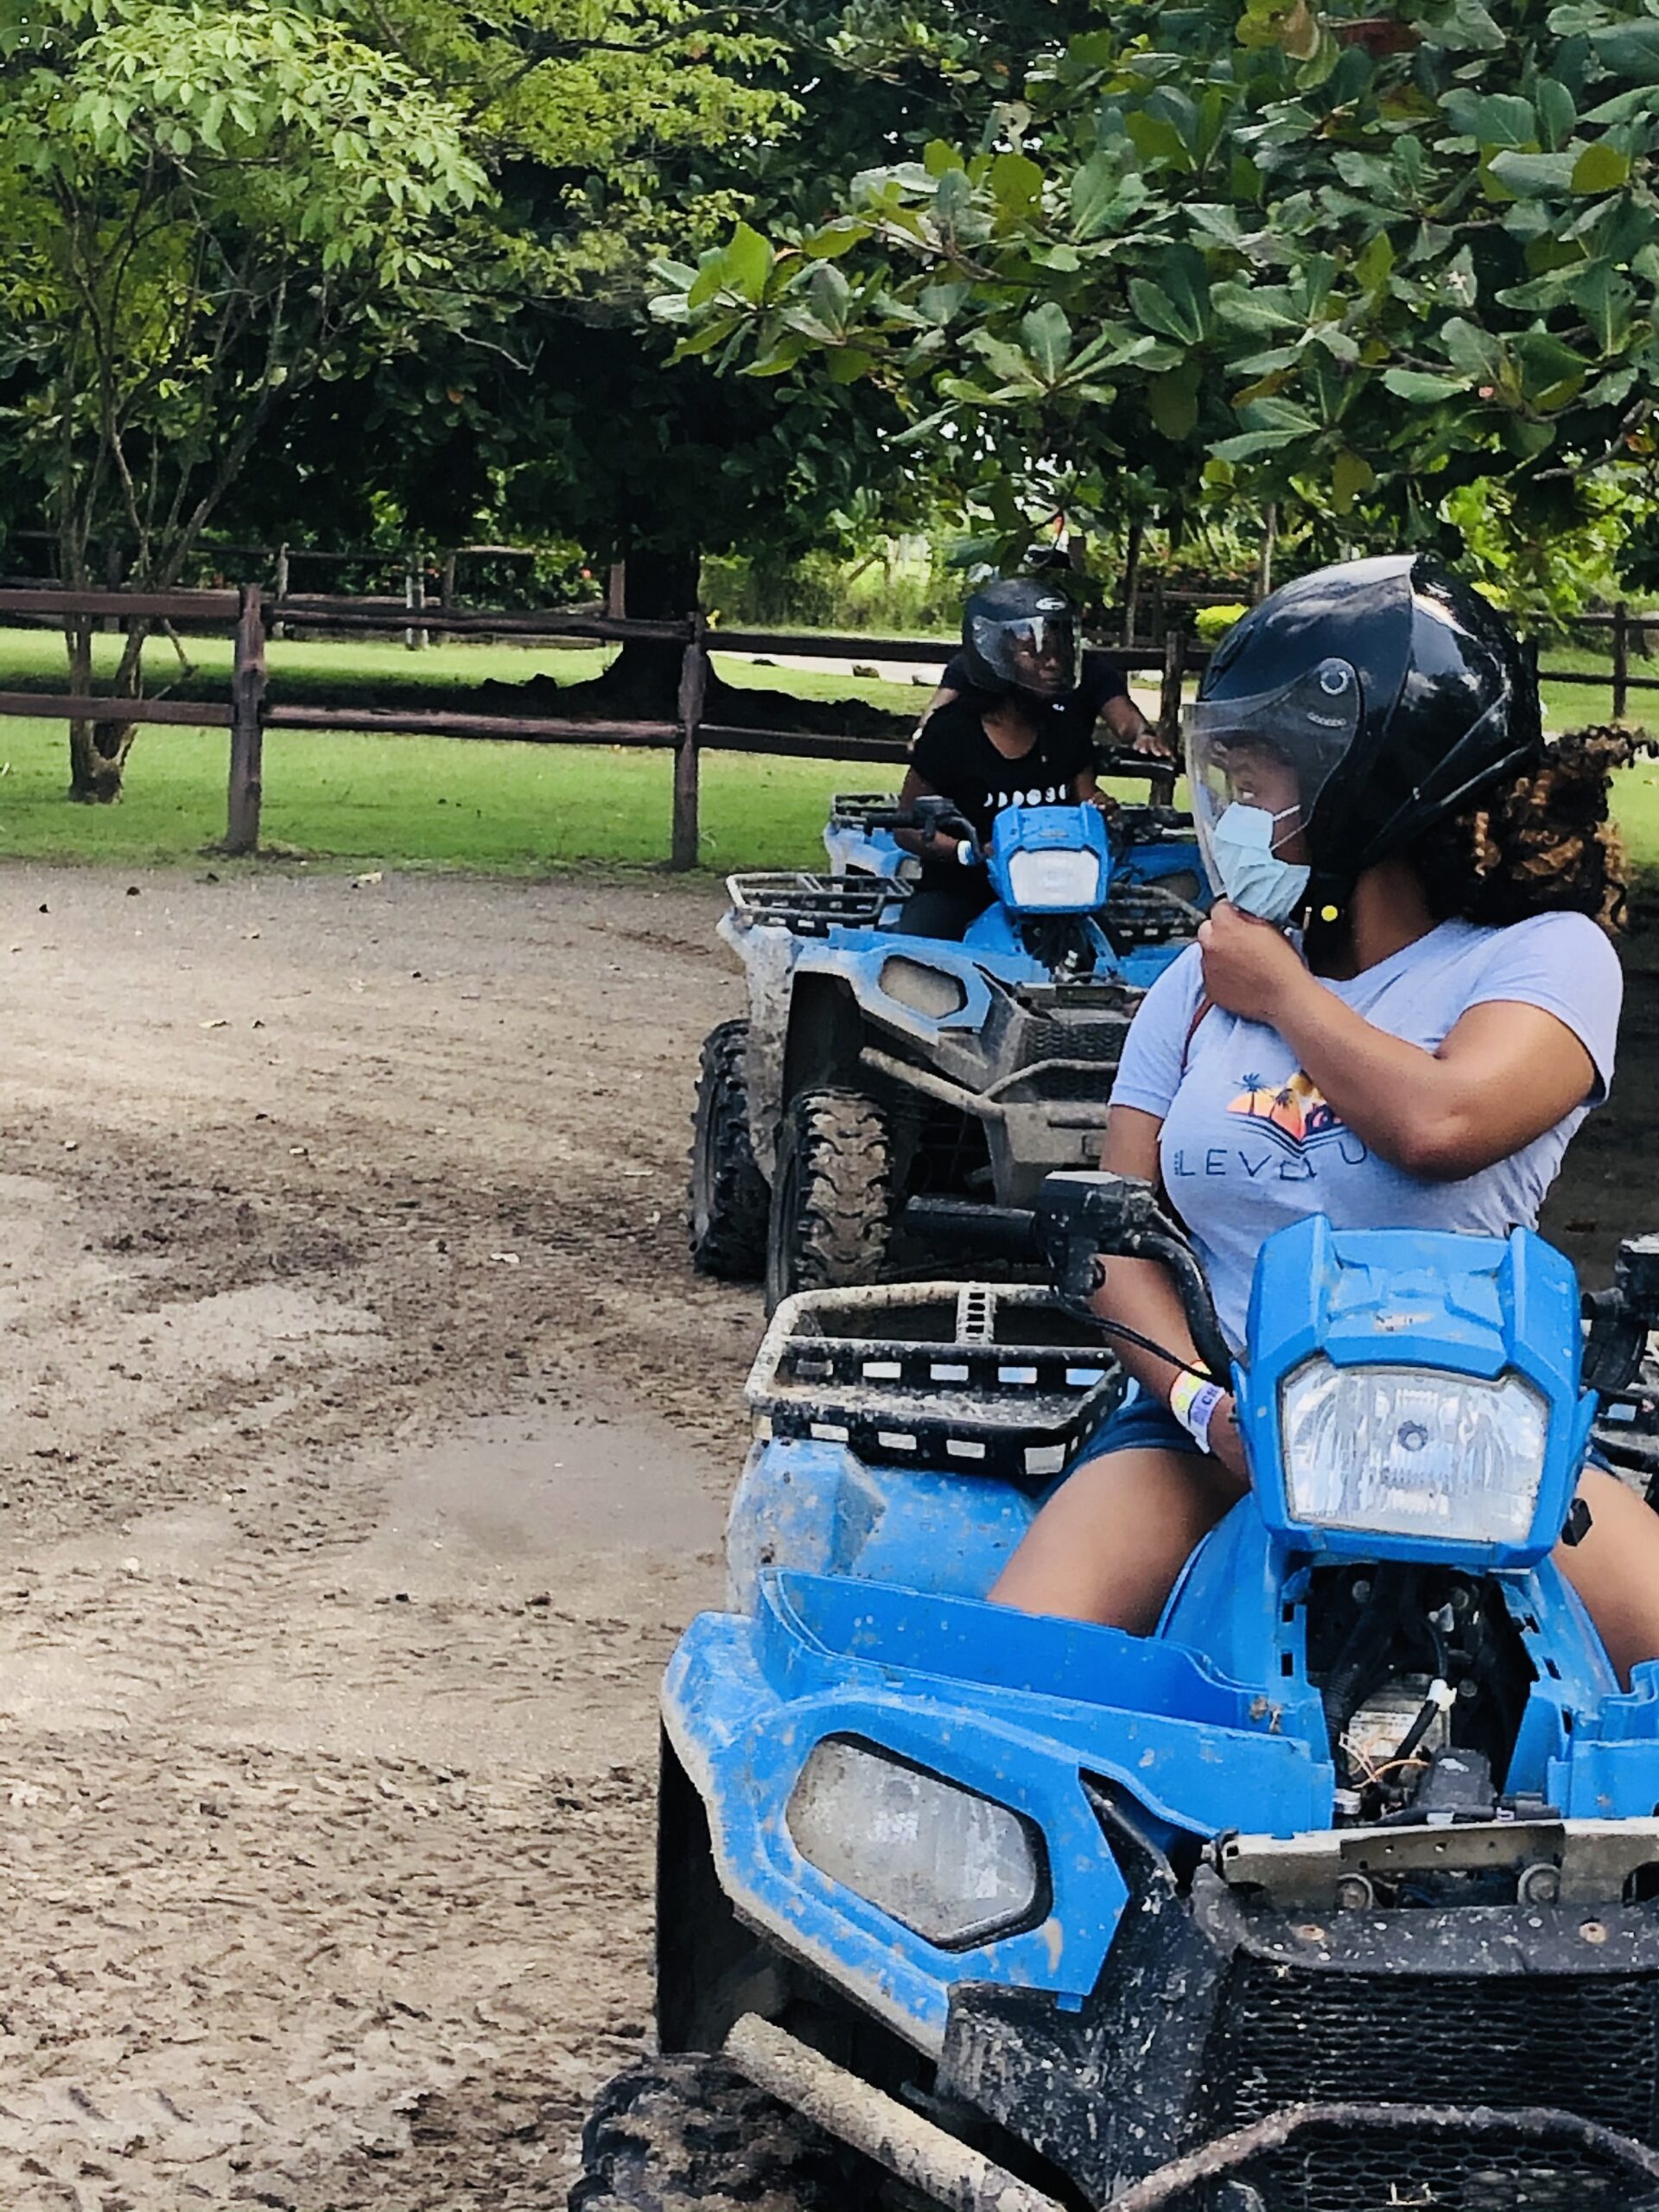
(363, 1437)
(362, 1444)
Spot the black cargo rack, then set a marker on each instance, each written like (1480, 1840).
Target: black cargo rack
(811, 905)
(854, 810)
(1145, 913)
(950, 1378)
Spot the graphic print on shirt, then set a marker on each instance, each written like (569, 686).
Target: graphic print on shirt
(1294, 1113)
(1053, 795)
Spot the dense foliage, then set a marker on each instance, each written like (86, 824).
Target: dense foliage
(1351, 262)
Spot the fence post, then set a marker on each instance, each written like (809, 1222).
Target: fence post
(247, 725)
(1621, 660)
(413, 595)
(694, 682)
(1131, 580)
(1169, 690)
(279, 629)
(447, 586)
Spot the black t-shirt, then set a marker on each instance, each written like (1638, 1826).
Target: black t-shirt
(1099, 679)
(952, 752)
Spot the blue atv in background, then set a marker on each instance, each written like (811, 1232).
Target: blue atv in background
(886, 1082)
(1338, 1893)
(1153, 847)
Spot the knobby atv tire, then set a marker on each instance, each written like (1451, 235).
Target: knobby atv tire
(674, 2134)
(726, 1212)
(834, 1201)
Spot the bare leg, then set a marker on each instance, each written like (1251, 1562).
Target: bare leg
(1615, 1570)
(1110, 1543)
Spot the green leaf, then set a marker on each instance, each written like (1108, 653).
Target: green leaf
(747, 262)
(1532, 176)
(833, 240)
(1373, 264)
(939, 154)
(1350, 474)
(1259, 309)
(1016, 183)
(1600, 168)
(1420, 388)
(1556, 111)
(1505, 119)
(1173, 400)
(1608, 301)
(831, 295)
(1471, 349)
(1094, 195)
(1046, 336)
(1178, 304)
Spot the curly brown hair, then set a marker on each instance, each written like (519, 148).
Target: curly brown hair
(1541, 845)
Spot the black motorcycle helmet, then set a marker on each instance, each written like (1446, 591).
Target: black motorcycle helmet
(1392, 689)
(1019, 634)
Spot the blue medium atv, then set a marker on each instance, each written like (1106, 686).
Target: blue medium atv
(1339, 1893)
(885, 1080)
(1154, 853)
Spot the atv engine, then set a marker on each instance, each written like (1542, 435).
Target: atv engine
(1414, 1665)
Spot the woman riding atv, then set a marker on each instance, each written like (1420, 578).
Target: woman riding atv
(1020, 734)
(1365, 757)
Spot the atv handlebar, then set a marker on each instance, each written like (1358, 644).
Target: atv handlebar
(1084, 1218)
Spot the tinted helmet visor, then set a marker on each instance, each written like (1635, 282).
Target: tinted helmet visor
(1035, 653)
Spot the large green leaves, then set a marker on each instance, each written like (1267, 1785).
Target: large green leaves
(1346, 271)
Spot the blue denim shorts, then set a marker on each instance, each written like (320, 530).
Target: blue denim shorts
(1141, 1423)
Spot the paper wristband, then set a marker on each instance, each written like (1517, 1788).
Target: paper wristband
(1194, 1404)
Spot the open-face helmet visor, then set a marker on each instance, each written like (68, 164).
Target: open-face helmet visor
(1035, 652)
(1256, 767)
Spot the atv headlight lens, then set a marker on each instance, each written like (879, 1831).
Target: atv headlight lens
(1054, 880)
(1408, 1452)
(954, 1867)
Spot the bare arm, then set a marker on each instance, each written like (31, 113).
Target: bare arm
(1504, 1074)
(1140, 1294)
(1125, 721)
(942, 697)
(923, 841)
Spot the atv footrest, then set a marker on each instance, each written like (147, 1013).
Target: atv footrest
(809, 904)
(953, 1378)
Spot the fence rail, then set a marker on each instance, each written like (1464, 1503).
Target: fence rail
(250, 711)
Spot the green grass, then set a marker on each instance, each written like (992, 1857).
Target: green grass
(362, 801)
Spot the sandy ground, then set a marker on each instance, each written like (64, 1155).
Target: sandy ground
(363, 1438)
(363, 1441)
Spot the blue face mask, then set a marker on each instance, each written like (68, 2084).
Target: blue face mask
(1253, 877)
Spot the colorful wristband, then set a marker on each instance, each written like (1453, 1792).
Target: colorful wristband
(1193, 1401)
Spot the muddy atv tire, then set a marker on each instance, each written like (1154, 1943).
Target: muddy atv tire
(677, 2133)
(834, 1200)
(726, 1211)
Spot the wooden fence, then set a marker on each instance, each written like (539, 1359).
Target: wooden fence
(250, 709)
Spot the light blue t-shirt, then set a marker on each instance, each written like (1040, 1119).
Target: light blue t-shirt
(1249, 1144)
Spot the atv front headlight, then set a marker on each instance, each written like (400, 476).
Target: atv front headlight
(1410, 1451)
(954, 1867)
(1054, 880)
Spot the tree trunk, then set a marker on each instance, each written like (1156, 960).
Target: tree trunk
(643, 683)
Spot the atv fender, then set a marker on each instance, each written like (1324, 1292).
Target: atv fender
(813, 1005)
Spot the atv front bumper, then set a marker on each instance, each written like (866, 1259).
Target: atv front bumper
(1215, 2013)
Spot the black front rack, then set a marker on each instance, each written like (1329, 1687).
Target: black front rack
(947, 1378)
(811, 905)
